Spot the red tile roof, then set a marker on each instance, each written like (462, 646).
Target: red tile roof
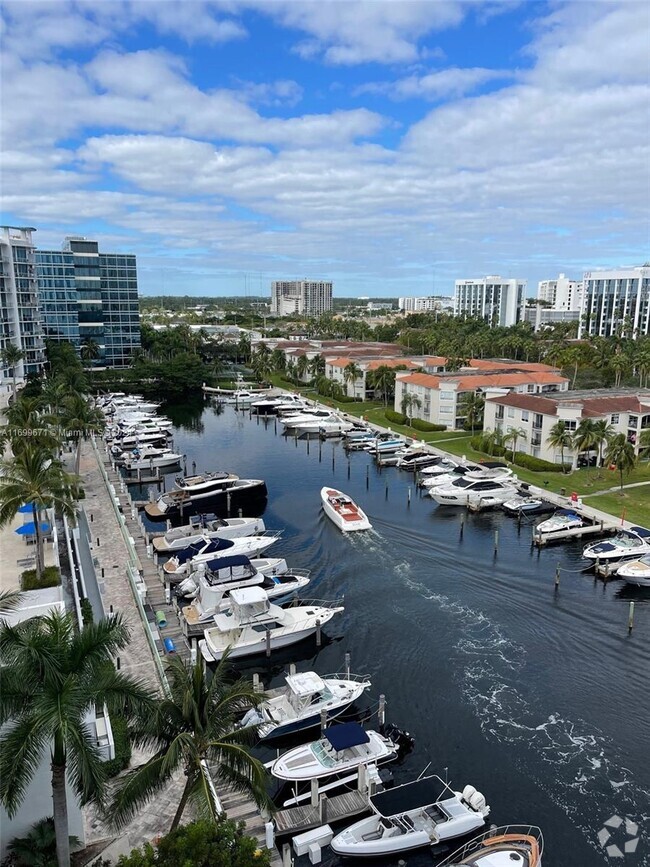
(532, 402)
(599, 406)
(485, 380)
(392, 362)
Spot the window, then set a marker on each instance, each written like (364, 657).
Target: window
(524, 415)
(511, 412)
(633, 421)
(447, 395)
(614, 418)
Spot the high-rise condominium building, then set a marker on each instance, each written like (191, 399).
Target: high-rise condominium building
(561, 294)
(500, 302)
(616, 301)
(423, 304)
(304, 297)
(20, 319)
(88, 297)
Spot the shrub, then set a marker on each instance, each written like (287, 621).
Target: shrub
(51, 577)
(537, 465)
(395, 417)
(86, 611)
(122, 747)
(420, 424)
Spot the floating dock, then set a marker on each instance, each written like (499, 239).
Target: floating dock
(599, 529)
(295, 819)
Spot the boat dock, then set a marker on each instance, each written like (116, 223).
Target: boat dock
(601, 528)
(293, 820)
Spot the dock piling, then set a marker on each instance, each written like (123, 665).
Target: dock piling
(256, 682)
(367, 477)
(292, 668)
(318, 634)
(381, 710)
(347, 664)
(286, 855)
(408, 498)
(268, 642)
(462, 525)
(630, 618)
(348, 467)
(557, 576)
(323, 726)
(386, 497)
(496, 541)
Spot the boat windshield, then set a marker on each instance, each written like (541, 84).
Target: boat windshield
(461, 483)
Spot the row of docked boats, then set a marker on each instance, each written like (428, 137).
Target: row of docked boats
(139, 438)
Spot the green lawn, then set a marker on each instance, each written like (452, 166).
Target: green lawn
(634, 503)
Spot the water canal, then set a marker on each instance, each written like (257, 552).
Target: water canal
(537, 697)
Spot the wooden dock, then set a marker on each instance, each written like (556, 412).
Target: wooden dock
(296, 819)
(599, 529)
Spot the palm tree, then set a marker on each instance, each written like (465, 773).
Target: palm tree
(25, 415)
(90, 350)
(53, 393)
(194, 728)
(278, 360)
(302, 365)
(409, 402)
(620, 452)
(603, 432)
(472, 404)
(9, 601)
(11, 356)
(383, 379)
(352, 372)
(493, 439)
(317, 366)
(644, 439)
(53, 675)
(34, 476)
(244, 347)
(81, 418)
(620, 364)
(38, 848)
(560, 438)
(513, 436)
(585, 437)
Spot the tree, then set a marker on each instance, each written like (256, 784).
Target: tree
(585, 438)
(472, 405)
(38, 848)
(244, 347)
(53, 675)
(620, 364)
(29, 427)
(302, 365)
(603, 431)
(194, 728)
(278, 360)
(513, 436)
(90, 350)
(317, 366)
(620, 453)
(81, 418)
(644, 440)
(560, 438)
(409, 402)
(34, 476)
(494, 439)
(383, 380)
(12, 355)
(9, 601)
(352, 372)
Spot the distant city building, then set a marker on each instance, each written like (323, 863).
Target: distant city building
(561, 294)
(302, 297)
(539, 316)
(616, 300)
(499, 302)
(424, 304)
(20, 319)
(88, 296)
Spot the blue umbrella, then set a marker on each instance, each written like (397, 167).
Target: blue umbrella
(26, 508)
(29, 529)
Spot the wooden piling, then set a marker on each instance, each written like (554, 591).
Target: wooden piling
(268, 642)
(496, 541)
(557, 576)
(462, 525)
(348, 659)
(408, 498)
(630, 618)
(367, 477)
(386, 497)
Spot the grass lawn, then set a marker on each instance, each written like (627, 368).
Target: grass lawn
(635, 502)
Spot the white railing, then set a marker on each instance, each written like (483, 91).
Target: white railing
(481, 841)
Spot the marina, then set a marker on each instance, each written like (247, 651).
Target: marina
(410, 546)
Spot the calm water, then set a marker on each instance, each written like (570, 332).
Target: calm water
(539, 699)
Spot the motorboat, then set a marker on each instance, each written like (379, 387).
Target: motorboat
(137, 440)
(626, 545)
(442, 465)
(301, 702)
(240, 395)
(387, 446)
(343, 511)
(202, 484)
(233, 494)
(253, 625)
(469, 471)
(206, 526)
(425, 812)
(506, 846)
(563, 519)
(334, 427)
(149, 458)
(265, 566)
(306, 415)
(270, 405)
(297, 408)
(344, 747)
(358, 436)
(459, 492)
(636, 572)
(482, 501)
(416, 459)
(184, 562)
(315, 425)
(523, 505)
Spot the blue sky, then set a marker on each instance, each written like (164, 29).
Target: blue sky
(388, 145)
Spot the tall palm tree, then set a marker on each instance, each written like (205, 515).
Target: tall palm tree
(53, 675)
(620, 364)
(278, 360)
(80, 418)
(9, 601)
(644, 440)
(585, 438)
(194, 728)
(621, 453)
(28, 426)
(12, 356)
(409, 402)
(383, 380)
(472, 404)
(494, 439)
(560, 438)
(34, 476)
(302, 366)
(603, 432)
(352, 372)
(513, 436)
(53, 393)
(90, 350)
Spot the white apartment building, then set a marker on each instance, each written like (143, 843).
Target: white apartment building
(616, 300)
(498, 301)
(300, 297)
(627, 410)
(20, 318)
(561, 293)
(424, 304)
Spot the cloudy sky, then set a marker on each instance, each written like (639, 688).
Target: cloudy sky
(391, 146)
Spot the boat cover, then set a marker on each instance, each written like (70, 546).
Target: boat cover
(403, 799)
(641, 531)
(305, 683)
(210, 547)
(568, 513)
(346, 735)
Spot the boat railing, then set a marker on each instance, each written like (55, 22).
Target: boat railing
(344, 675)
(503, 830)
(297, 573)
(319, 603)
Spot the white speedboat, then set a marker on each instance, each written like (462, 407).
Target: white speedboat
(636, 572)
(626, 545)
(458, 492)
(344, 747)
(523, 505)
(233, 493)
(343, 511)
(244, 573)
(470, 472)
(300, 703)
(270, 405)
(253, 625)
(416, 459)
(563, 519)
(507, 846)
(208, 527)
(387, 447)
(289, 421)
(426, 812)
(186, 561)
(149, 458)
(442, 465)
(137, 441)
(334, 427)
(314, 425)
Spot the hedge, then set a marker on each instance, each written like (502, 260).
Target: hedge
(122, 747)
(420, 424)
(395, 417)
(537, 465)
(50, 577)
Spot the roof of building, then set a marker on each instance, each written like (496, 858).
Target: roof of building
(392, 362)
(471, 382)
(532, 402)
(509, 364)
(435, 360)
(592, 407)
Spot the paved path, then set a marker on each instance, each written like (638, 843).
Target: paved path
(617, 488)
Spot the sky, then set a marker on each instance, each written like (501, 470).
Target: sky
(389, 146)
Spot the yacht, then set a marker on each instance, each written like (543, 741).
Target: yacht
(122, 444)
(314, 425)
(209, 527)
(442, 465)
(202, 484)
(636, 572)
(523, 505)
(270, 405)
(306, 415)
(343, 511)
(626, 545)
(426, 812)
(416, 458)
(507, 846)
(234, 493)
(563, 519)
(146, 458)
(334, 427)
(386, 446)
(253, 625)
(344, 747)
(266, 566)
(472, 472)
(458, 492)
(184, 562)
(300, 703)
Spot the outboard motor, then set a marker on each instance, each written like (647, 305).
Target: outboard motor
(400, 737)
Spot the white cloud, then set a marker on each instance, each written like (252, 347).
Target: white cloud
(442, 84)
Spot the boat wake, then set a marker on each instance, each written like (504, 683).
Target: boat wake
(585, 774)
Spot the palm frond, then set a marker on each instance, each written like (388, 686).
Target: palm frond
(135, 789)
(21, 752)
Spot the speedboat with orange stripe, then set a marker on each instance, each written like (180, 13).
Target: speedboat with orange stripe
(507, 846)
